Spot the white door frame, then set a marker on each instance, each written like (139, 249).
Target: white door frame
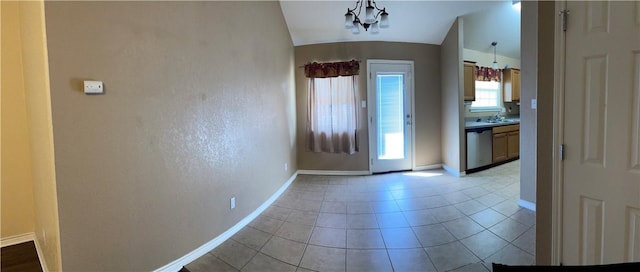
(371, 97)
(558, 136)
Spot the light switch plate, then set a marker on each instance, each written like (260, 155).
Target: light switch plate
(534, 104)
(93, 87)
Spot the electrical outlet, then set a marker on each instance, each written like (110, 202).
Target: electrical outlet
(233, 202)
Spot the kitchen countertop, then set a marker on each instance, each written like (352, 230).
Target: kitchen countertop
(483, 124)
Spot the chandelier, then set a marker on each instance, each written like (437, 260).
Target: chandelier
(375, 17)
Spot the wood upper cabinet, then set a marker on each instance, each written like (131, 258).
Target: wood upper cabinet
(511, 85)
(469, 81)
(506, 143)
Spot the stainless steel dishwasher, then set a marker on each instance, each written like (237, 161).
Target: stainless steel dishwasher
(479, 147)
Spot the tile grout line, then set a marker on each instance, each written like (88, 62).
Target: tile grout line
(311, 234)
(372, 187)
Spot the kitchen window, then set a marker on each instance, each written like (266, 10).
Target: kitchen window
(488, 96)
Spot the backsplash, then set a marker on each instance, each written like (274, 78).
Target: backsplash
(512, 108)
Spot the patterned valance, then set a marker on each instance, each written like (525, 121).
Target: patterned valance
(332, 69)
(488, 74)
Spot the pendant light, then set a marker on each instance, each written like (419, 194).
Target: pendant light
(495, 62)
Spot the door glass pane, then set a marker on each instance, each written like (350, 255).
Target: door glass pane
(390, 95)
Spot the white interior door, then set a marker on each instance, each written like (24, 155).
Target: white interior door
(601, 170)
(390, 96)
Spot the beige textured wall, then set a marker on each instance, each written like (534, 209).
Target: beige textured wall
(453, 153)
(17, 184)
(198, 107)
(529, 83)
(36, 75)
(427, 100)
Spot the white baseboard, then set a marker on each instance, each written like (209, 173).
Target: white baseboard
(202, 250)
(428, 167)
(333, 173)
(43, 262)
(452, 171)
(360, 173)
(17, 239)
(23, 238)
(527, 205)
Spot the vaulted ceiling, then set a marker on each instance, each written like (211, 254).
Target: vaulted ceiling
(313, 22)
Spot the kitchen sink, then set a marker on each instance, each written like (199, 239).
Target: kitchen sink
(490, 123)
(498, 121)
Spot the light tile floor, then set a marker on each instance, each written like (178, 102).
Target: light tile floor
(411, 221)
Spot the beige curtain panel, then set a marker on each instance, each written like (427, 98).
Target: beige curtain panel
(332, 121)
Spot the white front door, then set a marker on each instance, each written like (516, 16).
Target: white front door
(390, 96)
(601, 170)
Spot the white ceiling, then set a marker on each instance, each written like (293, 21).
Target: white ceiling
(313, 22)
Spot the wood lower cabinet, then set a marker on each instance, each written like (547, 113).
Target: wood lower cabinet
(513, 144)
(469, 81)
(499, 147)
(506, 143)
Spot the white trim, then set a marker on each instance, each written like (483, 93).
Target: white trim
(453, 172)
(202, 250)
(487, 109)
(413, 114)
(558, 137)
(23, 238)
(333, 173)
(527, 205)
(370, 115)
(427, 167)
(17, 239)
(43, 262)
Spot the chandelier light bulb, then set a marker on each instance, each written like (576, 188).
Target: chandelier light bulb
(384, 19)
(374, 28)
(369, 19)
(356, 28)
(348, 20)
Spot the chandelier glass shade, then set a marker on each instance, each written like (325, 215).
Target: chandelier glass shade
(374, 17)
(495, 62)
